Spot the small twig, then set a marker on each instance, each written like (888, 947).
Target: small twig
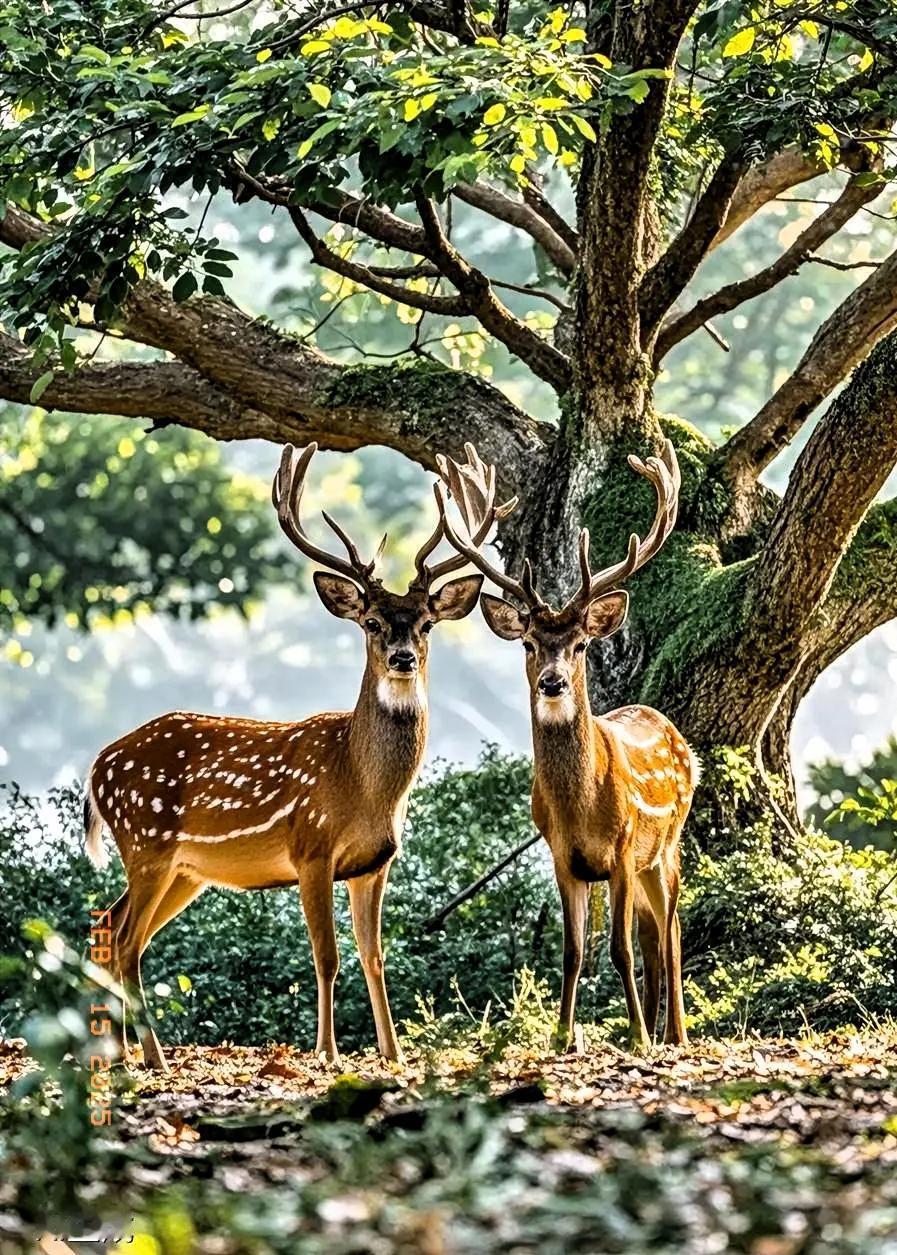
(715, 335)
(845, 265)
(436, 920)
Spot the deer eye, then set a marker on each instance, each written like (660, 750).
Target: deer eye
(372, 625)
(580, 648)
(529, 647)
(428, 626)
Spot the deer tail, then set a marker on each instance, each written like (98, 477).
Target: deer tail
(93, 830)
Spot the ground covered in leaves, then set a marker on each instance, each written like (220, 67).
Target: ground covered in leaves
(767, 1147)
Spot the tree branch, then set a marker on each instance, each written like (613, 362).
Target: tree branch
(846, 461)
(237, 377)
(518, 214)
(324, 255)
(542, 358)
(822, 228)
(665, 281)
(840, 343)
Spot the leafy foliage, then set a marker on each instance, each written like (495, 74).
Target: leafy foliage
(859, 807)
(99, 526)
(136, 108)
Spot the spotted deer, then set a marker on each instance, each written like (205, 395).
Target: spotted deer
(197, 800)
(611, 792)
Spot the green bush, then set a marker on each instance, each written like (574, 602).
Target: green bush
(769, 944)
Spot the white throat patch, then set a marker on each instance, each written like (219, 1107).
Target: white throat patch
(560, 709)
(395, 694)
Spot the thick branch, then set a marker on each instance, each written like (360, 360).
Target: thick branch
(247, 379)
(518, 214)
(664, 283)
(841, 342)
(822, 228)
(845, 463)
(542, 358)
(762, 184)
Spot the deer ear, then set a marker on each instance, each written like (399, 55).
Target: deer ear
(505, 620)
(606, 614)
(339, 595)
(456, 599)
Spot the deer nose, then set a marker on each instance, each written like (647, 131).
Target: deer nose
(552, 685)
(402, 660)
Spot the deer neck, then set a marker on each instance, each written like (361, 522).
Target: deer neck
(567, 753)
(388, 734)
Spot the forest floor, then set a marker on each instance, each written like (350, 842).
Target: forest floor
(771, 1147)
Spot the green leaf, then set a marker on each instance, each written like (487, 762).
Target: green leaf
(585, 128)
(741, 42)
(185, 287)
(320, 93)
(270, 127)
(40, 386)
(638, 91)
(194, 115)
(185, 984)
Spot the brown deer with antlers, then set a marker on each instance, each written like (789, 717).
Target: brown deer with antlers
(611, 792)
(197, 800)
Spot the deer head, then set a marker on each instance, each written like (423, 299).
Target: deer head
(556, 641)
(396, 625)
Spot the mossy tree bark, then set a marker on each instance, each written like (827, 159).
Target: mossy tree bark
(753, 596)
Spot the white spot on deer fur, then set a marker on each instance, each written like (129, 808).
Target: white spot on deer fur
(156, 804)
(109, 774)
(237, 832)
(129, 764)
(100, 789)
(647, 809)
(182, 753)
(151, 832)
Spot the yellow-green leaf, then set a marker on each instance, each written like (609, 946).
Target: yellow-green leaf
(263, 55)
(412, 109)
(428, 101)
(550, 137)
(313, 46)
(585, 128)
(810, 28)
(603, 61)
(494, 114)
(270, 127)
(518, 163)
(741, 42)
(574, 35)
(866, 60)
(304, 148)
(320, 93)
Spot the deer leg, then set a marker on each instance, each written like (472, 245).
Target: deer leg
(316, 893)
(675, 1021)
(622, 894)
(651, 934)
(366, 899)
(144, 897)
(575, 904)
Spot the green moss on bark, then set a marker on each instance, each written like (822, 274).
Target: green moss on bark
(418, 389)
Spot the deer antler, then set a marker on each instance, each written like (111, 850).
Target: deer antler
(286, 493)
(472, 486)
(663, 473)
